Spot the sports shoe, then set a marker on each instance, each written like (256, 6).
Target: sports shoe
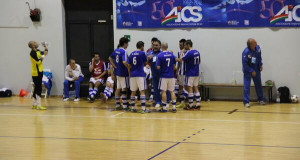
(187, 108)
(145, 111)
(126, 109)
(196, 107)
(119, 108)
(180, 105)
(41, 108)
(65, 99)
(174, 110)
(76, 100)
(247, 105)
(34, 107)
(262, 103)
(163, 110)
(92, 99)
(157, 105)
(133, 110)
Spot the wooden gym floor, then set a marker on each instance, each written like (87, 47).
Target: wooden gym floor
(78, 131)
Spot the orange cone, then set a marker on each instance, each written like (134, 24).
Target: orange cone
(22, 93)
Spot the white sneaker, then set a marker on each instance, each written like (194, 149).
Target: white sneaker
(76, 100)
(247, 105)
(157, 105)
(262, 103)
(168, 105)
(66, 99)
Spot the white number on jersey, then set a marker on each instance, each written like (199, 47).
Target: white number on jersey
(168, 59)
(134, 61)
(196, 60)
(117, 59)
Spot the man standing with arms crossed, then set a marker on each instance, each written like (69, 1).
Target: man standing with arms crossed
(192, 61)
(118, 59)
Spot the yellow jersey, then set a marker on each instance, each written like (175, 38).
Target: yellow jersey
(36, 63)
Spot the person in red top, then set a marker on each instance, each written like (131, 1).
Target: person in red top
(98, 70)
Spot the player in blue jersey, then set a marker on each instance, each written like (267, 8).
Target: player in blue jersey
(118, 59)
(192, 61)
(136, 63)
(166, 65)
(181, 73)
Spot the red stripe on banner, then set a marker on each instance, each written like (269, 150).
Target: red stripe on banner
(175, 16)
(279, 16)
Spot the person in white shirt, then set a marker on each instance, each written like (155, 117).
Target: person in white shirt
(74, 75)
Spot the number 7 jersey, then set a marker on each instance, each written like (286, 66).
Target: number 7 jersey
(166, 61)
(137, 60)
(192, 61)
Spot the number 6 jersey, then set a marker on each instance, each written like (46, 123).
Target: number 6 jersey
(137, 60)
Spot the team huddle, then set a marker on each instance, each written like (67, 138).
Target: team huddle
(170, 78)
(128, 71)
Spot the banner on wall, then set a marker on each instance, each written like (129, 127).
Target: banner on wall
(207, 13)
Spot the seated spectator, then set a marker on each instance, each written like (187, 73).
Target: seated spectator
(74, 75)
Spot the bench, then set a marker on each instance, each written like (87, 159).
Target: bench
(205, 89)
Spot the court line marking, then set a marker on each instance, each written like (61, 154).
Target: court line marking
(149, 141)
(164, 150)
(232, 111)
(153, 118)
(117, 114)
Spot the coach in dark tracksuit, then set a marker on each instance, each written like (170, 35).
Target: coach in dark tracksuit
(252, 67)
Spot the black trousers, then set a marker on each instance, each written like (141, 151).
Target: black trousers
(37, 80)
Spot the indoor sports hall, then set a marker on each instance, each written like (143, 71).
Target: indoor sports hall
(149, 79)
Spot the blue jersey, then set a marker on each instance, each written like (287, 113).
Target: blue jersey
(119, 55)
(252, 60)
(137, 60)
(154, 70)
(192, 61)
(166, 61)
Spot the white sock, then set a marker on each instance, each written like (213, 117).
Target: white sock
(38, 98)
(34, 101)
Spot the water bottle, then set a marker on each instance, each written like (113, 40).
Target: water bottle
(278, 97)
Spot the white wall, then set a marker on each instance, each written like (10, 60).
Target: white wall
(15, 67)
(221, 50)
(18, 18)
